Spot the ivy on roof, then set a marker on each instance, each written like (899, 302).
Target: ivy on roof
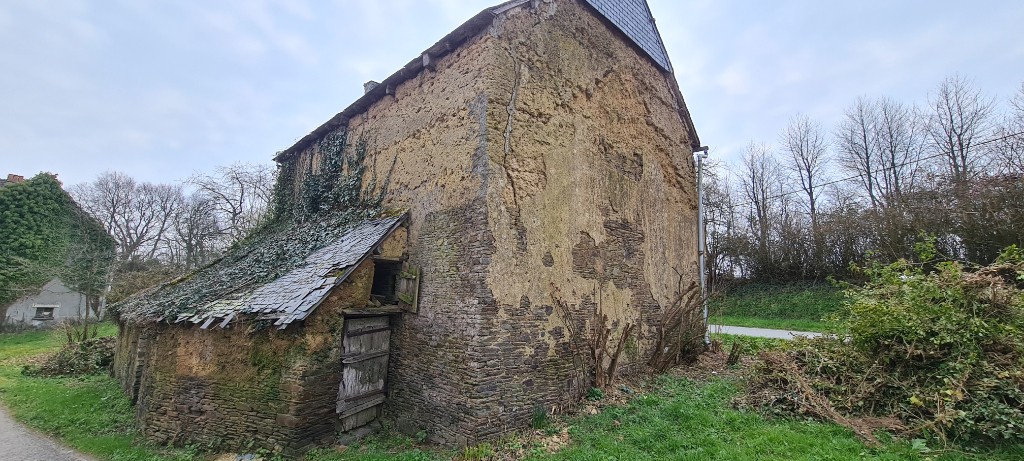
(309, 214)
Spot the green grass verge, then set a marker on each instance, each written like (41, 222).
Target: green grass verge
(679, 419)
(797, 306)
(89, 414)
(749, 345)
(683, 420)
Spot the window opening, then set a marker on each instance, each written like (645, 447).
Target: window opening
(385, 281)
(44, 313)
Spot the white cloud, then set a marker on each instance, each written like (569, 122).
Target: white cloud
(160, 89)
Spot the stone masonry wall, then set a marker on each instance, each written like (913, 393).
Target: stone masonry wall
(430, 138)
(546, 153)
(591, 196)
(246, 384)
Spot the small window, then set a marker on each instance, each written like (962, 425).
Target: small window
(44, 313)
(385, 281)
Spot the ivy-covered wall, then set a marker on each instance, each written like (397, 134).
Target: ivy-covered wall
(43, 235)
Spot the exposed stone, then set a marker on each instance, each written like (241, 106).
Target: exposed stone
(544, 138)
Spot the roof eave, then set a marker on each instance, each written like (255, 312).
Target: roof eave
(443, 47)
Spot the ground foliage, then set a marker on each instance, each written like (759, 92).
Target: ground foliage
(931, 349)
(312, 207)
(45, 234)
(87, 357)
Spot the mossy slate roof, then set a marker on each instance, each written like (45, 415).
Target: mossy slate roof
(292, 296)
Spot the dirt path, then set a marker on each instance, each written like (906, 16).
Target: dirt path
(19, 443)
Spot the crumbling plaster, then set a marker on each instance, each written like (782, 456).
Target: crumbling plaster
(594, 136)
(546, 153)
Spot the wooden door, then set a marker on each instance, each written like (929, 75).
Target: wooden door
(363, 370)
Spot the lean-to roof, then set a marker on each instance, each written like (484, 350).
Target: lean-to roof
(281, 276)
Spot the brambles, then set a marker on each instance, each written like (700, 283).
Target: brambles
(935, 353)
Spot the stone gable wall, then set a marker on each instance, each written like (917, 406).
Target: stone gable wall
(591, 196)
(544, 154)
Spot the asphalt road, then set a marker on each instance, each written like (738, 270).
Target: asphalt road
(761, 332)
(19, 443)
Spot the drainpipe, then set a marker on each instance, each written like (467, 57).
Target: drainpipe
(701, 153)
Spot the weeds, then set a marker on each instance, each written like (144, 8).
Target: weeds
(540, 418)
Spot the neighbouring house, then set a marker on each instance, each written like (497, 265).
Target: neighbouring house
(53, 256)
(53, 303)
(441, 249)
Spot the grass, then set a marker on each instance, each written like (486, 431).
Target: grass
(797, 306)
(684, 420)
(676, 419)
(749, 345)
(90, 413)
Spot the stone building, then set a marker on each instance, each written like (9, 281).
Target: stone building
(537, 164)
(52, 303)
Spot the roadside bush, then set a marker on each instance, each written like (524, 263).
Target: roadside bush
(86, 357)
(937, 352)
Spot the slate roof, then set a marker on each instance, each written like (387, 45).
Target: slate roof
(633, 18)
(292, 296)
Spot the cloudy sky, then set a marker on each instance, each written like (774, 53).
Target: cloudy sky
(160, 89)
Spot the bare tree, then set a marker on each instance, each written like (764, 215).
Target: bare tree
(159, 203)
(196, 232)
(136, 215)
(899, 144)
(240, 194)
(960, 118)
(720, 221)
(855, 143)
(760, 183)
(1010, 133)
(805, 143)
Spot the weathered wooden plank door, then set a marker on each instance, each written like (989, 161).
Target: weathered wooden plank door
(363, 370)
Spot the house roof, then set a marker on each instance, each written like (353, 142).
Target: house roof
(218, 293)
(632, 17)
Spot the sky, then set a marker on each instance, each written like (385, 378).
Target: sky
(163, 89)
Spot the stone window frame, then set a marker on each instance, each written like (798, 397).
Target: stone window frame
(45, 311)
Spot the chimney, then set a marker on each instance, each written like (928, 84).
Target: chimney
(369, 86)
(14, 179)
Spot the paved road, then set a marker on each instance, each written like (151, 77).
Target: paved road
(18, 443)
(761, 332)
